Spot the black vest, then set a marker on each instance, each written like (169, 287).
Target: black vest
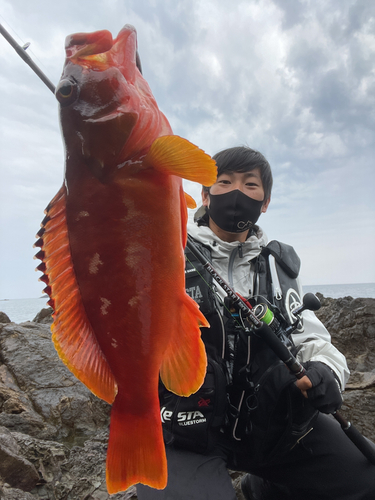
(254, 402)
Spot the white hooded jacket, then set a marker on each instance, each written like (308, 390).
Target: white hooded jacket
(232, 260)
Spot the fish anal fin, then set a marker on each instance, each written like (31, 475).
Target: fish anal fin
(184, 365)
(72, 334)
(136, 452)
(174, 155)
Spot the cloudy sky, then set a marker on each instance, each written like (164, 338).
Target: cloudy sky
(294, 79)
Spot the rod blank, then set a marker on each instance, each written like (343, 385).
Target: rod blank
(22, 53)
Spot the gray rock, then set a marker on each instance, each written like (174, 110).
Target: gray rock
(351, 322)
(44, 316)
(8, 493)
(4, 318)
(69, 474)
(16, 409)
(15, 470)
(359, 408)
(58, 429)
(41, 396)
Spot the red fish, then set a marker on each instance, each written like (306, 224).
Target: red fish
(112, 250)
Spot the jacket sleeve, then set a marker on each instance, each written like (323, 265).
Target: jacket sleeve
(314, 344)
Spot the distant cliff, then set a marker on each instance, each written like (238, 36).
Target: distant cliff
(53, 431)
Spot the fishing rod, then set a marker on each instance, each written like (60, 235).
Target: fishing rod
(267, 327)
(21, 51)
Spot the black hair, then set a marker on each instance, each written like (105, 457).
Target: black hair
(244, 159)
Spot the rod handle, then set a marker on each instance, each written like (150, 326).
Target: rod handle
(361, 442)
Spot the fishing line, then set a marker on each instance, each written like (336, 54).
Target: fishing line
(10, 27)
(21, 51)
(28, 48)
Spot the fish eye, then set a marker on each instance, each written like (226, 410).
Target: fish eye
(66, 92)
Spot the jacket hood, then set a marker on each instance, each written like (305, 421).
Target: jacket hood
(233, 261)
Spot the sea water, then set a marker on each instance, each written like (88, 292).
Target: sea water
(20, 310)
(355, 290)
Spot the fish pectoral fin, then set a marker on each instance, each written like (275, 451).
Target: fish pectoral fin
(72, 333)
(174, 155)
(184, 365)
(190, 202)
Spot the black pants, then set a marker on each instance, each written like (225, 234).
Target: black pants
(326, 465)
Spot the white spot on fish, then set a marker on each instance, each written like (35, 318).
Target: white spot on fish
(134, 248)
(82, 142)
(134, 301)
(114, 343)
(128, 163)
(105, 304)
(133, 257)
(132, 212)
(95, 262)
(82, 214)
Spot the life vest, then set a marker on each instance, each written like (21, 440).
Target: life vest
(248, 393)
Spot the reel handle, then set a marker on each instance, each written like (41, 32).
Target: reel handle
(309, 302)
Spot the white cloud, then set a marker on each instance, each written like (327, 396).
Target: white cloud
(294, 80)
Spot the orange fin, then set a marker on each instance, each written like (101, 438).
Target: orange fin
(136, 452)
(174, 155)
(184, 366)
(190, 202)
(72, 334)
(184, 216)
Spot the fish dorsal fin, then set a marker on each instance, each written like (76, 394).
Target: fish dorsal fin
(174, 155)
(72, 333)
(184, 365)
(190, 202)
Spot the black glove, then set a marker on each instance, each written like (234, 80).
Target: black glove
(325, 394)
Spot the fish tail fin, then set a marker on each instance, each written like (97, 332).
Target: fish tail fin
(136, 452)
(185, 362)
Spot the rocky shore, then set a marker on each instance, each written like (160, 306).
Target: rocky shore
(53, 431)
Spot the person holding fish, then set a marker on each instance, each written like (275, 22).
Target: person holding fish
(250, 414)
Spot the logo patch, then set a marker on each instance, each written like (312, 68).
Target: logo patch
(195, 293)
(292, 302)
(183, 417)
(242, 225)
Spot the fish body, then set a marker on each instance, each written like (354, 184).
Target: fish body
(112, 250)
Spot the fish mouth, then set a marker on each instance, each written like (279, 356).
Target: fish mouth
(99, 51)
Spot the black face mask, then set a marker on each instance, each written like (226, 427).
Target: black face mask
(234, 212)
